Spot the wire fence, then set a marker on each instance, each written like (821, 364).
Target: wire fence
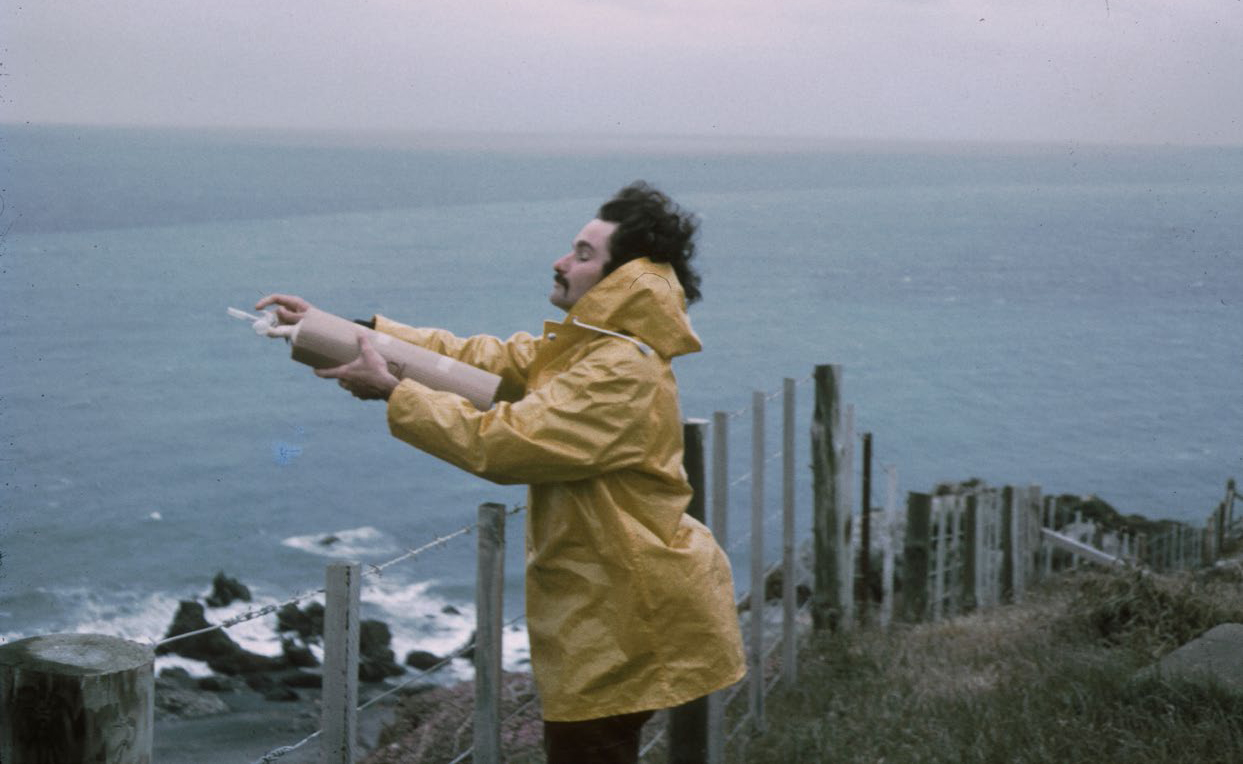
(765, 638)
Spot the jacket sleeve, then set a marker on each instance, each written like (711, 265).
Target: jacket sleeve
(509, 359)
(590, 419)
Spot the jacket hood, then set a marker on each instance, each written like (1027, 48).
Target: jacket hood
(645, 300)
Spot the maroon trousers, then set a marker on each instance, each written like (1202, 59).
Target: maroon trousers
(608, 740)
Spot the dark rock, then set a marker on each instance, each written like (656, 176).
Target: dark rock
(172, 699)
(468, 650)
(219, 683)
(422, 660)
(225, 590)
(1212, 658)
(270, 689)
(298, 654)
(302, 679)
(221, 653)
(375, 658)
(308, 622)
(450, 610)
(773, 588)
(328, 540)
(177, 675)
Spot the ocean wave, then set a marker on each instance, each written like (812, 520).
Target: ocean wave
(363, 542)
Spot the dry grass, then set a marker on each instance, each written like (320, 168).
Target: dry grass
(435, 725)
(1050, 681)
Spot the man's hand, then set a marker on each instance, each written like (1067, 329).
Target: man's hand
(366, 377)
(290, 309)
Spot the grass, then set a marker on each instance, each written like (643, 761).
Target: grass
(1053, 680)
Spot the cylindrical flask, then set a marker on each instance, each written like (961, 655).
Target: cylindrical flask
(323, 340)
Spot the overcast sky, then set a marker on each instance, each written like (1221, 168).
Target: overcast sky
(1130, 71)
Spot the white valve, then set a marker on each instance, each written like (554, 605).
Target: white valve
(265, 324)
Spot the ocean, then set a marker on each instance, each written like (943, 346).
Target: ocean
(1067, 315)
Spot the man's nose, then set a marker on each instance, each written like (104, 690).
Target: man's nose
(559, 265)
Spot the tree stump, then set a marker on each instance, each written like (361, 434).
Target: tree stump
(76, 698)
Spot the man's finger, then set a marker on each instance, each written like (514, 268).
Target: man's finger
(334, 372)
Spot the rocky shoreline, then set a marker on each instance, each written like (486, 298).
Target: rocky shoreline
(251, 704)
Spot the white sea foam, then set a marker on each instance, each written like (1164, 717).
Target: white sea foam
(365, 542)
(193, 668)
(421, 620)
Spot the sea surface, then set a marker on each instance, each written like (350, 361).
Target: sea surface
(1067, 315)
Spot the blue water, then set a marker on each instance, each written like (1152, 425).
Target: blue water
(1065, 315)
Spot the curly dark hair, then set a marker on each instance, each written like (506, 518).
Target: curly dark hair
(650, 225)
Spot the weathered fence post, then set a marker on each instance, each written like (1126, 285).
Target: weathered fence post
(755, 654)
(1231, 492)
(915, 556)
(988, 559)
(845, 521)
(489, 603)
(1025, 515)
(789, 590)
(938, 557)
(76, 699)
(891, 528)
(968, 584)
(720, 529)
(1213, 533)
(865, 531)
(339, 704)
(826, 458)
(688, 723)
(1008, 543)
(1046, 557)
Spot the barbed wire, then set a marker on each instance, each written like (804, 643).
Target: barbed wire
(514, 714)
(737, 543)
(520, 709)
(434, 668)
(277, 753)
(747, 475)
(647, 747)
(769, 397)
(368, 570)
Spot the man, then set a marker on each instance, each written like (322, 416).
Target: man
(629, 600)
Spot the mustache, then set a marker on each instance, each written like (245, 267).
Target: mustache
(561, 280)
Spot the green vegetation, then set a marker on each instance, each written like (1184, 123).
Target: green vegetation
(1053, 680)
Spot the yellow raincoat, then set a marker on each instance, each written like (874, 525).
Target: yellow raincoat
(630, 602)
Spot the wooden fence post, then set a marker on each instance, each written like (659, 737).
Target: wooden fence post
(789, 590)
(339, 704)
(1231, 492)
(915, 556)
(957, 548)
(76, 699)
(1026, 521)
(845, 521)
(826, 456)
(720, 477)
(1008, 524)
(720, 529)
(891, 529)
(971, 536)
(688, 723)
(865, 531)
(756, 651)
(938, 557)
(1046, 557)
(489, 603)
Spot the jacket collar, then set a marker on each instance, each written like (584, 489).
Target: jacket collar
(645, 300)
